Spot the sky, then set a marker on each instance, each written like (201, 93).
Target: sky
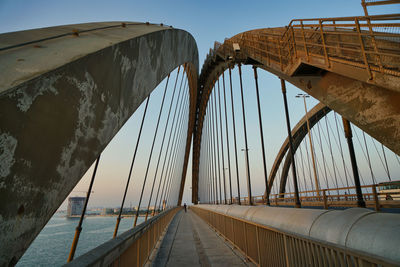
(207, 21)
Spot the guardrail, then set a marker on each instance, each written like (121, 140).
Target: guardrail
(131, 248)
(368, 43)
(266, 246)
(332, 197)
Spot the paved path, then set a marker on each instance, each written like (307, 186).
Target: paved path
(189, 241)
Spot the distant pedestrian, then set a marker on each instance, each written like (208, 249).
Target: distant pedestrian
(184, 205)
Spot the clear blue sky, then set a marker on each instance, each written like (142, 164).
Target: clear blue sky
(207, 21)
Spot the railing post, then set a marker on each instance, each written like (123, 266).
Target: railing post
(138, 252)
(325, 199)
(245, 240)
(294, 42)
(304, 40)
(258, 246)
(324, 44)
(280, 53)
(286, 250)
(363, 49)
(376, 199)
(371, 32)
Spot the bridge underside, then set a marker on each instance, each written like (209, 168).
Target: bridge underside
(65, 92)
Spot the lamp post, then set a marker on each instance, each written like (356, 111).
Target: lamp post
(304, 96)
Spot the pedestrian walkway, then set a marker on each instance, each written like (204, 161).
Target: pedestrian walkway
(189, 241)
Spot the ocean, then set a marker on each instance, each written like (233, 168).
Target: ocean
(51, 247)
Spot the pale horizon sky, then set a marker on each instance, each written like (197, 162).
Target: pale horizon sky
(207, 21)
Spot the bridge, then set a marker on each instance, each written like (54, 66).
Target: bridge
(331, 197)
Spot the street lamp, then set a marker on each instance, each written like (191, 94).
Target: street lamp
(304, 96)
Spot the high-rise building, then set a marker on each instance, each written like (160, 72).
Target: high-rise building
(75, 206)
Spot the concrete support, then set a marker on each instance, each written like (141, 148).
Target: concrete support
(62, 99)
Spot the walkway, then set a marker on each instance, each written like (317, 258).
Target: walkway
(189, 241)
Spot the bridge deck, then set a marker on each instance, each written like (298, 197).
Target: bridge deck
(189, 241)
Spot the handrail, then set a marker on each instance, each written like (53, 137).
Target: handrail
(130, 248)
(268, 246)
(360, 41)
(331, 197)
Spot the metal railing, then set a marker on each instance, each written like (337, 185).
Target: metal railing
(131, 248)
(369, 43)
(266, 246)
(331, 197)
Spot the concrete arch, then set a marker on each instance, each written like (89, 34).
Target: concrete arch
(64, 93)
(334, 79)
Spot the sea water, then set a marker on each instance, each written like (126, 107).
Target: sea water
(51, 247)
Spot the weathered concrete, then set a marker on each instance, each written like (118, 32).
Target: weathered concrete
(62, 99)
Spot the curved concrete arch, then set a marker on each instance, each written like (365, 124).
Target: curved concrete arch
(64, 93)
(342, 85)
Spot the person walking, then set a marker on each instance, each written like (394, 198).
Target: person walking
(184, 205)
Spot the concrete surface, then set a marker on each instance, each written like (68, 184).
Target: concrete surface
(189, 241)
(63, 97)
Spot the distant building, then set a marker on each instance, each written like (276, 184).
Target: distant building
(107, 211)
(75, 206)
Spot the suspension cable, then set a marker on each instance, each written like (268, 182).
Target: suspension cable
(291, 150)
(181, 148)
(210, 158)
(358, 139)
(78, 229)
(214, 160)
(338, 144)
(222, 141)
(169, 142)
(227, 139)
(217, 143)
(262, 137)
(162, 144)
(131, 168)
(151, 154)
(369, 159)
(246, 149)
(387, 167)
(204, 153)
(328, 170)
(178, 137)
(309, 166)
(176, 142)
(234, 136)
(323, 155)
(331, 152)
(379, 155)
(341, 150)
(303, 169)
